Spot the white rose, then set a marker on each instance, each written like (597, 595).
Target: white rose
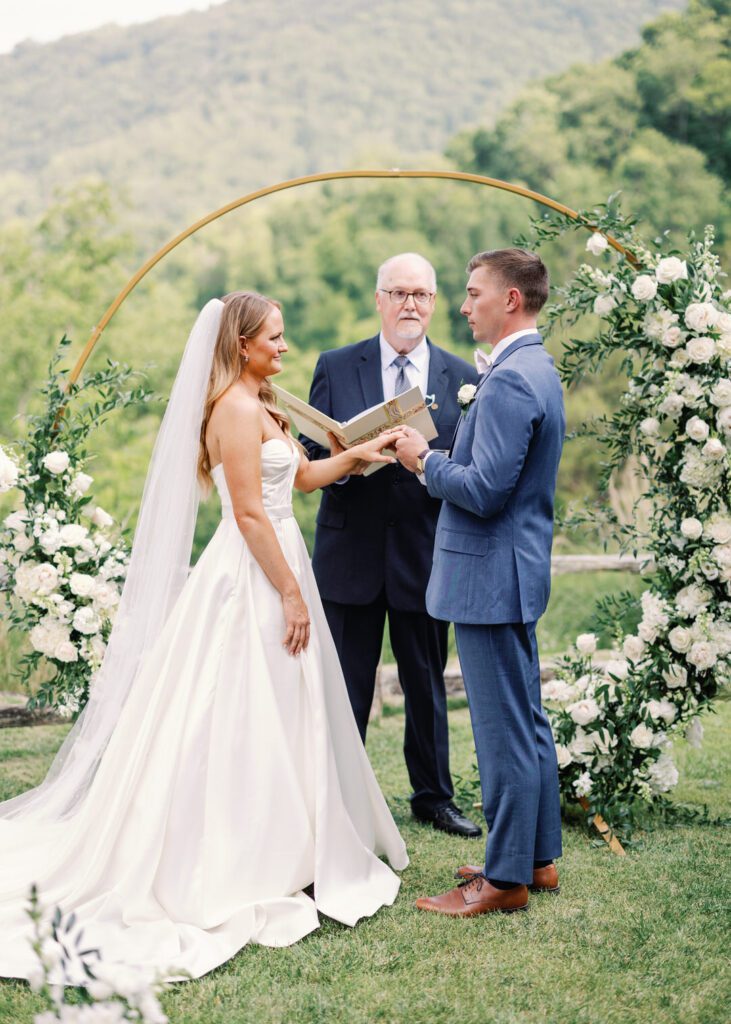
(721, 393)
(679, 359)
(66, 652)
(581, 746)
(650, 426)
(701, 350)
(671, 406)
(617, 668)
(16, 520)
(81, 483)
(697, 429)
(673, 337)
(693, 394)
(22, 543)
(723, 346)
(596, 243)
(648, 631)
(584, 711)
(50, 541)
(675, 676)
(466, 393)
(671, 269)
(38, 637)
(723, 322)
(642, 737)
(718, 528)
(703, 655)
(658, 323)
(604, 304)
(663, 774)
(81, 584)
(586, 643)
(557, 690)
(721, 552)
(101, 518)
(73, 535)
(644, 288)
(694, 733)
(8, 472)
(714, 449)
(723, 421)
(583, 785)
(680, 639)
(86, 621)
(56, 462)
(105, 595)
(692, 528)
(661, 710)
(45, 579)
(692, 600)
(563, 755)
(633, 648)
(699, 316)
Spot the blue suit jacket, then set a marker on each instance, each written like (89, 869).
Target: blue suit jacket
(492, 555)
(378, 531)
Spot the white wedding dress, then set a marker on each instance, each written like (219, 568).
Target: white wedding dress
(234, 778)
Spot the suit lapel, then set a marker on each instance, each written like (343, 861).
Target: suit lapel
(369, 372)
(437, 382)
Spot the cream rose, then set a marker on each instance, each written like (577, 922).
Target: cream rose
(671, 406)
(56, 462)
(701, 350)
(697, 429)
(466, 393)
(584, 711)
(81, 483)
(81, 584)
(596, 244)
(650, 427)
(721, 393)
(661, 710)
(673, 337)
(101, 518)
(692, 528)
(680, 639)
(73, 535)
(676, 676)
(633, 648)
(671, 269)
(563, 755)
(699, 316)
(86, 621)
(22, 543)
(703, 655)
(642, 737)
(644, 288)
(714, 449)
(718, 528)
(586, 643)
(66, 652)
(604, 304)
(8, 473)
(723, 421)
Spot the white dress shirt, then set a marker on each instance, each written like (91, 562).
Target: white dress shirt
(416, 370)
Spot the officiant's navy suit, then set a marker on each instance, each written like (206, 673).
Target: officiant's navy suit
(374, 543)
(491, 577)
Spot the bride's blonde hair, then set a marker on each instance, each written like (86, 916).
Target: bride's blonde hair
(243, 316)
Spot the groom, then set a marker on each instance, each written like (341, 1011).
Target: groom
(375, 535)
(491, 576)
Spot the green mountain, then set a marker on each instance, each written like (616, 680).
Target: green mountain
(184, 113)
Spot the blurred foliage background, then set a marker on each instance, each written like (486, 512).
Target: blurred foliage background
(112, 141)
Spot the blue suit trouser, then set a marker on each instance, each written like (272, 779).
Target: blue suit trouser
(516, 754)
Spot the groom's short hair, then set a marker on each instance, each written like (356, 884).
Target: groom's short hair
(517, 268)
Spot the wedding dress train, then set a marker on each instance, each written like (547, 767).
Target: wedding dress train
(234, 778)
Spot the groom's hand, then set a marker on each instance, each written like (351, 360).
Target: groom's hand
(409, 447)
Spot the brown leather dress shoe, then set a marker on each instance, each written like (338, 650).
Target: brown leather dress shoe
(476, 896)
(544, 879)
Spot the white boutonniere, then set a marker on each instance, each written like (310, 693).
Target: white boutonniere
(466, 396)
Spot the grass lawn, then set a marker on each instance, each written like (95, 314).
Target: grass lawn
(638, 939)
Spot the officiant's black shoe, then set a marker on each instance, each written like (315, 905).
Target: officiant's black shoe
(449, 818)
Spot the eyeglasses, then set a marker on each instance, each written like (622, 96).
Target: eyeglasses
(399, 296)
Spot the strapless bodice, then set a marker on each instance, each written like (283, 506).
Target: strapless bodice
(279, 461)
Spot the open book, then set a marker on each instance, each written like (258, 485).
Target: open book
(409, 408)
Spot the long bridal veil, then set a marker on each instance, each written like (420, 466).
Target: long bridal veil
(157, 571)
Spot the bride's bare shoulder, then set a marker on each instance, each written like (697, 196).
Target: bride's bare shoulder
(236, 403)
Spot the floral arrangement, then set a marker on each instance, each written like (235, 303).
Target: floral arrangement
(111, 993)
(667, 314)
(61, 567)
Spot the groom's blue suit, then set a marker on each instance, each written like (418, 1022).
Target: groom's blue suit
(491, 577)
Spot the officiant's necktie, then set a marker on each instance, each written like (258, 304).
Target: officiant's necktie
(402, 381)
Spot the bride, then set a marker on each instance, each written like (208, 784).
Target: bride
(217, 773)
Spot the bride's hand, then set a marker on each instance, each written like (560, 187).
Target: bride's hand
(372, 451)
(297, 621)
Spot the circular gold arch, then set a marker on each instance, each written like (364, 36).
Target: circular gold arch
(475, 179)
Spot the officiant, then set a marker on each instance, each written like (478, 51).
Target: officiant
(374, 538)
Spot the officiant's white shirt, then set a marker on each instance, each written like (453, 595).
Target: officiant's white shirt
(416, 370)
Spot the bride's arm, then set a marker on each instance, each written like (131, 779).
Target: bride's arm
(321, 472)
(239, 432)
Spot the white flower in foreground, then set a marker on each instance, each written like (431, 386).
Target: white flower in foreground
(563, 755)
(718, 528)
(723, 346)
(596, 244)
(581, 746)
(557, 690)
(22, 543)
(81, 483)
(50, 540)
(661, 710)
(633, 648)
(694, 733)
(703, 655)
(650, 427)
(86, 621)
(675, 677)
(8, 472)
(586, 643)
(81, 584)
(72, 535)
(617, 667)
(697, 429)
(692, 600)
(671, 406)
(66, 652)
(692, 528)
(466, 393)
(679, 359)
(583, 785)
(699, 316)
(658, 323)
(44, 579)
(604, 304)
(673, 337)
(723, 421)
(56, 462)
(680, 639)
(16, 520)
(671, 269)
(644, 288)
(721, 393)
(693, 394)
(584, 711)
(701, 350)
(101, 518)
(643, 737)
(105, 595)
(663, 774)
(714, 449)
